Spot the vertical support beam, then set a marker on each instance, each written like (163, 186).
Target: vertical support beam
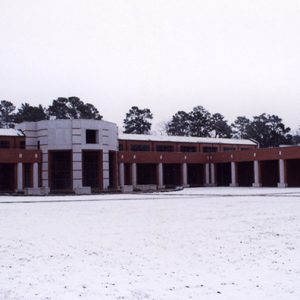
(184, 175)
(133, 175)
(207, 181)
(213, 174)
(121, 175)
(20, 177)
(160, 176)
(234, 182)
(256, 169)
(35, 175)
(282, 174)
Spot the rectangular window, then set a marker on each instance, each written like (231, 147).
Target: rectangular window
(226, 149)
(164, 148)
(140, 148)
(210, 149)
(22, 144)
(4, 144)
(245, 148)
(121, 147)
(188, 149)
(91, 136)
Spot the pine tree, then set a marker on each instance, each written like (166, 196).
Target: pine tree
(138, 121)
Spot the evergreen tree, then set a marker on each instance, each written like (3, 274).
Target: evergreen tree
(138, 121)
(179, 125)
(239, 127)
(72, 108)
(219, 127)
(267, 130)
(6, 114)
(30, 113)
(200, 120)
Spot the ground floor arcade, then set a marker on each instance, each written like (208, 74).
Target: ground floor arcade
(266, 173)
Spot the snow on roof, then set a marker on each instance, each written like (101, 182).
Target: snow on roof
(184, 139)
(10, 132)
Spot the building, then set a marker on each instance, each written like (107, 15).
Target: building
(85, 156)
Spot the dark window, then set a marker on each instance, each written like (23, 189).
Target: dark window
(22, 144)
(164, 148)
(91, 136)
(4, 144)
(225, 149)
(210, 149)
(121, 147)
(140, 148)
(38, 145)
(188, 149)
(27, 175)
(245, 148)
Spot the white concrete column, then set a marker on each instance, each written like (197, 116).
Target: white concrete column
(234, 182)
(20, 177)
(256, 168)
(35, 175)
(121, 175)
(184, 175)
(207, 181)
(160, 176)
(282, 174)
(133, 175)
(213, 174)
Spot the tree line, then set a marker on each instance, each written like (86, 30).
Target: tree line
(268, 130)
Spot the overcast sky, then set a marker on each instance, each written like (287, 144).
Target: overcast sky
(236, 57)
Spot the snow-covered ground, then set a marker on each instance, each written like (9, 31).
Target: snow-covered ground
(204, 243)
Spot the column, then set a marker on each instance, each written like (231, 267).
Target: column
(184, 175)
(207, 174)
(133, 175)
(35, 175)
(160, 176)
(282, 174)
(256, 168)
(121, 175)
(233, 174)
(213, 174)
(20, 177)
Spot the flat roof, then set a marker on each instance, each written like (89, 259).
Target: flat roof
(11, 132)
(184, 139)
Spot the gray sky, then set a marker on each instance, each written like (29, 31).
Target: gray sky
(236, 57)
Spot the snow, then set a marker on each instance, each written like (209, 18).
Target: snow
(201, 243)
(10, 132)
(184, 139)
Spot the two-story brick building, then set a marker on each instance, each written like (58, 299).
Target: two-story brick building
(84, 156)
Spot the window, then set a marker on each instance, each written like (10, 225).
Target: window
(226, 149)
(22, 144)
(140, 148)
(245, 148)
(91, 136)
(188, 149)
(121, 147)
(4, 144)
(210, 149)
(164, 148)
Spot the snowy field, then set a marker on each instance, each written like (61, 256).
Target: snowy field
(204, 243)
